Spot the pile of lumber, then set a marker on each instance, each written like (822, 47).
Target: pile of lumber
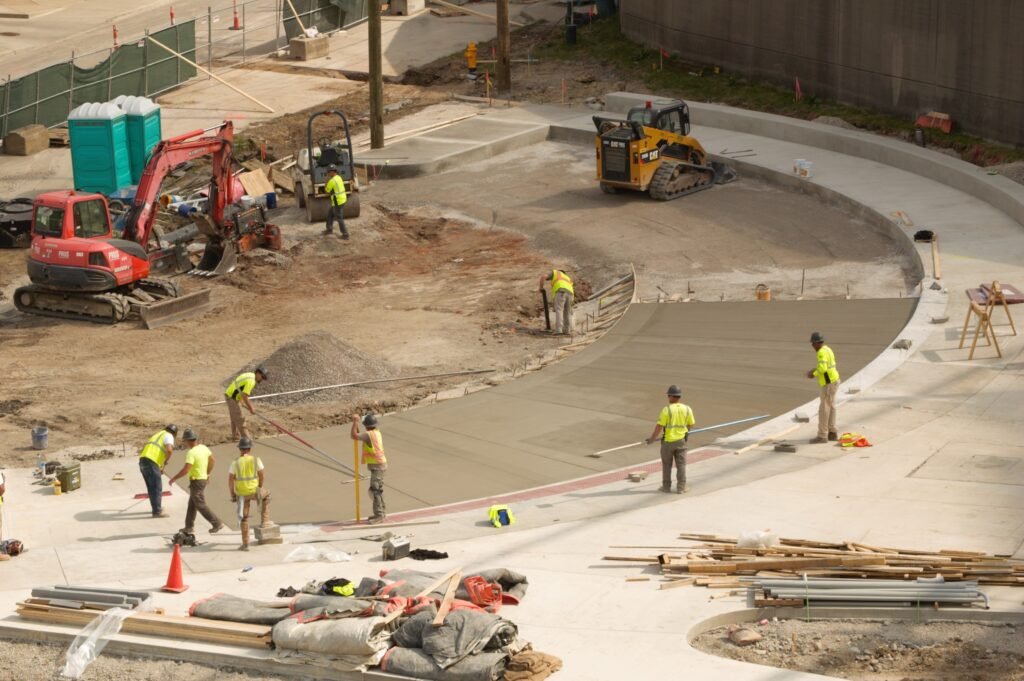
(718, 562)
(66, 605)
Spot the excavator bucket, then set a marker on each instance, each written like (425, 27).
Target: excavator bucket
(174, 309)
(218, 259)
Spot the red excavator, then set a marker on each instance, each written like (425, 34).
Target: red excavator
(80, 269)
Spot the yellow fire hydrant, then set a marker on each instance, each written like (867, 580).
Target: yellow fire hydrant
(470, 55)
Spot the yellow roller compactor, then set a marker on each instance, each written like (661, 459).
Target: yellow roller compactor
(652, 151)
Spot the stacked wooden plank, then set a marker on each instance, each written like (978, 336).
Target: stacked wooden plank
(719, 562)
(80, 613)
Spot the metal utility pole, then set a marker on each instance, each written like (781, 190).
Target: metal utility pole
(504, 65)
(376, 78)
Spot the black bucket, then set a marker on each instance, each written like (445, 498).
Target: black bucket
(570, 34)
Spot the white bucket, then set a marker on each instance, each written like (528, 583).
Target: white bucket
(805, 168)
(796, 165)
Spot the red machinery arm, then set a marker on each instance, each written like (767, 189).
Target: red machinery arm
(171, 153)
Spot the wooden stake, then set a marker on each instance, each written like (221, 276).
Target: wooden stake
(355, 467)
(936, 260)
(449, 596)
(301, 25)
(376, 78)
(504, 48)
(209, 73)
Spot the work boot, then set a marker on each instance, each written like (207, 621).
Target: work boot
(375, 520)
(818, 440)
(216, 528)
(243, 547)
(682, 489)
(665, 488)
(345, 236)
(161, 514)
(833, 436)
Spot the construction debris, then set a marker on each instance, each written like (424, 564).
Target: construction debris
(26, 141)
(720, 563)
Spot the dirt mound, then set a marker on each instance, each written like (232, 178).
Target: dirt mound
(314, 360)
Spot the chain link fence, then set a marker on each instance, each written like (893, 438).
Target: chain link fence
(224, 36)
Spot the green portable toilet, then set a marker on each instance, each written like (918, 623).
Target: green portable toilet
(143, 130)
(99, 148)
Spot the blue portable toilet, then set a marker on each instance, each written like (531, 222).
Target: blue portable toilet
(143, 130)
(99, 148)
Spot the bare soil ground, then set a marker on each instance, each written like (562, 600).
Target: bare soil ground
(880, 651)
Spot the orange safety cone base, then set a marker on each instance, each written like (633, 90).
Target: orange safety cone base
(175, 582)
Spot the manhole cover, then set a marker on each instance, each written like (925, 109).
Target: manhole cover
(9, 34)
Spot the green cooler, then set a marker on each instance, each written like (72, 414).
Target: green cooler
(70, 476)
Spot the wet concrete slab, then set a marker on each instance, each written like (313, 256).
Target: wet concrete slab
(733, 360)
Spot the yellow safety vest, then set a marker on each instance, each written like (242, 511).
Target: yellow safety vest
(335, 187)
(199, 457)
(826, 371)
(243, 384)
(373, 451)
(247, 479)
(154, 450)
(560, 280)
(676, 420)
(494, 514)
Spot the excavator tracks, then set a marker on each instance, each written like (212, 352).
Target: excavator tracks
(674, 179)
(102, 308)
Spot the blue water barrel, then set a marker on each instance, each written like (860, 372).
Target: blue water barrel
(99, 148)
(144, 130)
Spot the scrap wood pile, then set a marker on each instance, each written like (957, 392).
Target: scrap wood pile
(404, 622)
(723, 562)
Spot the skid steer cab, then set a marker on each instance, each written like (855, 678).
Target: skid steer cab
(310, 170)
(652, 151)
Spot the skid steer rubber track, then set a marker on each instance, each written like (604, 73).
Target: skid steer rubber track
(102, 308)
(674, 179)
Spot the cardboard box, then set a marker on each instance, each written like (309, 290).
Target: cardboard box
(307, 49)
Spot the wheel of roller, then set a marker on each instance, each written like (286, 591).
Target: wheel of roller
(316, 209)
(351, 206)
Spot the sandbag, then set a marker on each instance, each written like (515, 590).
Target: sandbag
(351, 636)
(340, 606)
(235, 609)
(463, 633)
(411, 582)
(417, 664)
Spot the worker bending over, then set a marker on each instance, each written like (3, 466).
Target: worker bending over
(561, 299)
(199, 463)
(335, 189)
(373, 457)
(238, 391)
(245, 485)
(673, 428)
(828, 381)
(153, 456)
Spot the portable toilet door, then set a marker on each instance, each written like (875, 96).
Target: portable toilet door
(99, 148)
(144, 130)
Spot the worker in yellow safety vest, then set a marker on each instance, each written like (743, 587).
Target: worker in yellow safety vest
(152, 458)
(828, 381)
(673, 429)
(245, 485)
(238, 391)
(373, 457)
(198, 466)
(335, 190)
(561, 299)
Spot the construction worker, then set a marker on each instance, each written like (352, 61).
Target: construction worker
(828, 381)
(153, 456)
(373, 457)
(199, 463)
(239, 391)
(561, 299)
(245, 484)
(673, 427)
(335, 189)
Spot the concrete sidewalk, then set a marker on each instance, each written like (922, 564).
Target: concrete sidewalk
(944, 471)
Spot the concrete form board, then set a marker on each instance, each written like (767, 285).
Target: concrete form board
(733, 360)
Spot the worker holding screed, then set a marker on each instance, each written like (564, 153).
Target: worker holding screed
(238, 391)
(373, 457)
(673, 427)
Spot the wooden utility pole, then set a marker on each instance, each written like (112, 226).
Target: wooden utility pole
(376, 78)
(504, 65)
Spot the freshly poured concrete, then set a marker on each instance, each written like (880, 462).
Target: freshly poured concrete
(733, 361)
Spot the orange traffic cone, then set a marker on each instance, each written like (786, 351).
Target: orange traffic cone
(175, 582)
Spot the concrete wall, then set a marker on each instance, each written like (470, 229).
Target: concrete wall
(898, 56)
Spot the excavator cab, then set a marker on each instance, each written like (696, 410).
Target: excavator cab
(312, 163)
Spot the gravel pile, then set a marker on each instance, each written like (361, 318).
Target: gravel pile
(314, 360)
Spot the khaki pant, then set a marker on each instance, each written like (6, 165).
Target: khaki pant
(563, 311)
(237, 414)
(197, 504)
(827, 409)
(673, 452)
(262, 497)
(377, 489)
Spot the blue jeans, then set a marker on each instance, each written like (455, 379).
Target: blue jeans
(154, 483)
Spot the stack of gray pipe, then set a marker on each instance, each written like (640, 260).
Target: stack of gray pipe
(866, 592)
(97, 598)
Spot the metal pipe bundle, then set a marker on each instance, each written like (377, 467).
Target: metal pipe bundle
(860, 592)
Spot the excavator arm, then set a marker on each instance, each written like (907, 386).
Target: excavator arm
(168, 155)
